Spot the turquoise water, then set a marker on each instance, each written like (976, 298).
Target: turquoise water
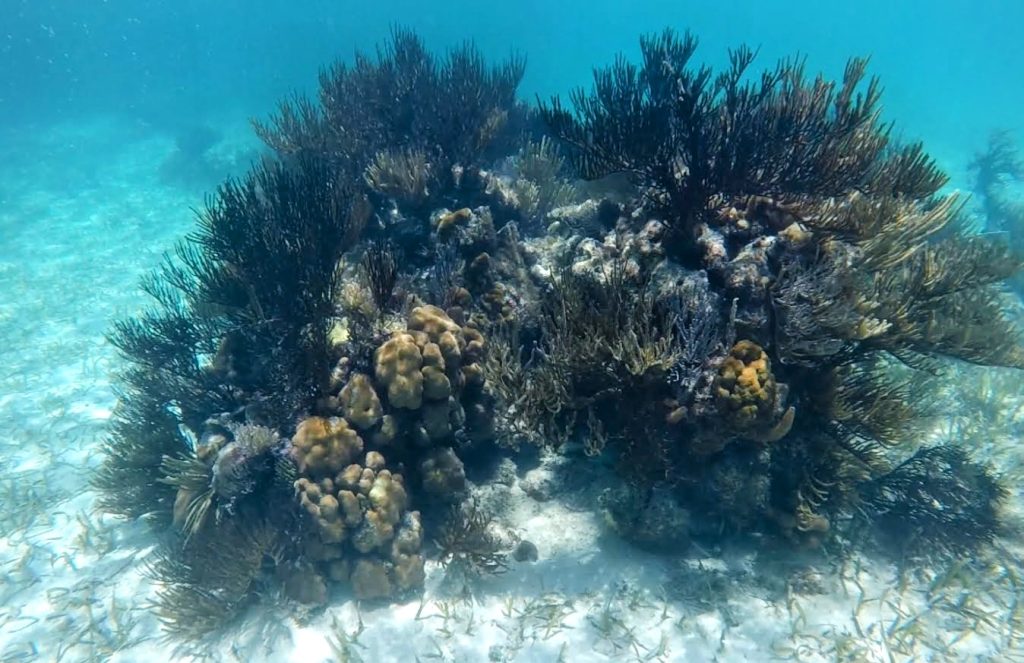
(117, 117)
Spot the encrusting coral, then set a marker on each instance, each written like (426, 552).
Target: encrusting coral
(743, 311)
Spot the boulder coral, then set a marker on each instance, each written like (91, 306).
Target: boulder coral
(748, 396)
(443, 474)
(432, 367)
(361, 522)
(398, 363)
(322, 446)
(359, 402)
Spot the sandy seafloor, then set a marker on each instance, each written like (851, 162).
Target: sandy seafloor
(87, 209)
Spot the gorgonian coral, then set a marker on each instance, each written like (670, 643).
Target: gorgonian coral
(745, 324)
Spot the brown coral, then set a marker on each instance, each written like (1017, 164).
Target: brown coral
(360, 523)
(448, 221)
(370, 579)
(432, 367)
(443, 474)
(322, 446)
(432, 320)
(318, 500)
(359, 402)
(397, 364)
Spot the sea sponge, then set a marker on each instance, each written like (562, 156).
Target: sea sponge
(397, 365)
(443, 474)
(323, 446)
(359, 402)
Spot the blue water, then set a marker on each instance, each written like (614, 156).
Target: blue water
(103, 101)
(952, 70)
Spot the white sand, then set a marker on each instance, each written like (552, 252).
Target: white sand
(83, 214)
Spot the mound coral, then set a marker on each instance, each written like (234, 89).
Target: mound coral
(432, 368)
(321, 446)
(361, 522)
(748, 396)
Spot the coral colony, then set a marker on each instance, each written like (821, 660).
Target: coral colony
(730, 292)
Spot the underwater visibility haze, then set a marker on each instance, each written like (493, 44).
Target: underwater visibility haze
(519, 332)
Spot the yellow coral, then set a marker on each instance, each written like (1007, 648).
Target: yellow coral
(431, 367)
(436, 385)
(387, 495)
(359, 402)
(745, 387)
(747, 393)
(303, 584)
(387, 432)
(448, 344)
(408, 571)
(443, 474)
(397, 363)
(436, 422)
(322, 446)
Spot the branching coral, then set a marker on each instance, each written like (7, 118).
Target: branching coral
(599, 340)
(541, 183)
(994, 170)
(937, 502)
(467, 538)
(692, 139)
(404, 175)
(902, 293)
(400, 111)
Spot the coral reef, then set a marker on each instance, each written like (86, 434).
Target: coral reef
(729, 297)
